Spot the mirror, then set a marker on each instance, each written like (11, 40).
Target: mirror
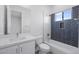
(14, 19)
(15, 22)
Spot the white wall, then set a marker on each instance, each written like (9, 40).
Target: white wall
(36, 20)
(39, 20)
(37, 16)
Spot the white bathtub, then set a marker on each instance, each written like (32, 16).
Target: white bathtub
(61, 48)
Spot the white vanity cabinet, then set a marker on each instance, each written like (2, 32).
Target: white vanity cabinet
(28, 48)
(8, 50)
(22, 48)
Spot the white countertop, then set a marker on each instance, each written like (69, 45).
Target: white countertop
(5, 42)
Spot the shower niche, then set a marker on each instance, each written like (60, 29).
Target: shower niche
(65, 26)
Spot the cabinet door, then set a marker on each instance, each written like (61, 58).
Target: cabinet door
(28, 48)
(8, 50)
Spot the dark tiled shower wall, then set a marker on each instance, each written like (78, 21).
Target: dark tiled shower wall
(68, 34)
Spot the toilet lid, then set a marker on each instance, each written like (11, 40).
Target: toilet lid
(44, 46)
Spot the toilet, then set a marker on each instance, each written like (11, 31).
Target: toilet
(43, 47)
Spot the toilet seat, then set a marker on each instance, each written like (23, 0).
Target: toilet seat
(44, 46)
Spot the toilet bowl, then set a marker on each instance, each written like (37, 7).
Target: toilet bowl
(44, 48)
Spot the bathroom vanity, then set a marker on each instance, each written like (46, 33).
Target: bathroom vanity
(16, 21)
(20, 45)
(24, 48)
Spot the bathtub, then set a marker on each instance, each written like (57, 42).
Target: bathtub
(61, 48)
